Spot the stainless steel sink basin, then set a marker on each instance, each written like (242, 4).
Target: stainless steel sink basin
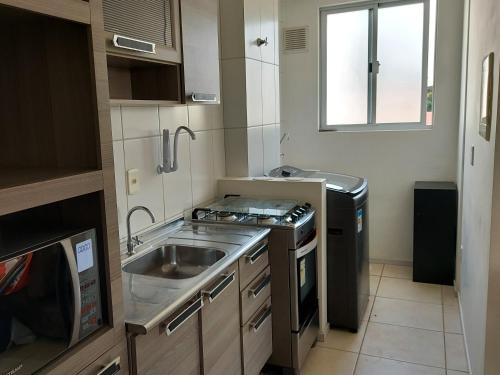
(175, 262)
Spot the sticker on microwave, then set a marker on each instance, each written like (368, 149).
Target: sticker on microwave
(302, 273)
(360, 220)
(84, 255)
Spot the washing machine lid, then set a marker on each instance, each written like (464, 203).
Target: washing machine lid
(334, 181)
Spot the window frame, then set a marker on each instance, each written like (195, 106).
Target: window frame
(373, 6)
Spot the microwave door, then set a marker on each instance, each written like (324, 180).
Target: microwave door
(75, 285)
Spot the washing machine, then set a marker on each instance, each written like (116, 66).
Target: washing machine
(348, 281)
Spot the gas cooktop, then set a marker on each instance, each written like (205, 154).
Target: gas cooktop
(251, 211)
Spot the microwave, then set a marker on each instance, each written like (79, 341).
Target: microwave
(50, 299)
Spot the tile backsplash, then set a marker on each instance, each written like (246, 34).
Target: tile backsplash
(137, 144)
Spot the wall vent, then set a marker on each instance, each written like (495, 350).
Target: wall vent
(295, 39)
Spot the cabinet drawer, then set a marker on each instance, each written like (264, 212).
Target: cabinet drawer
(255, 294)
(172, 348)
(114, 361)
(257, 340)
(253, 262)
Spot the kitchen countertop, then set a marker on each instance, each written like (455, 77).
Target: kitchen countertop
(150, 300)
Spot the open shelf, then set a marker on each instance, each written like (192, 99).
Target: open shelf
(49, 136)
(24, 188)
(137, 80)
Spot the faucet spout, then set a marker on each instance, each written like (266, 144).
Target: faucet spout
(169, 166)
(176, 139)
(133, 242)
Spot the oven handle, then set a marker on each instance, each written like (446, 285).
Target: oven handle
(306, 249)
(75, 283)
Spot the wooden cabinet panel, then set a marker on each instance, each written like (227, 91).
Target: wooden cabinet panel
(257, 337)
(255, 294)
(177, 353)
(253, 262)
(117, 355)
(221, 325)
(200, 44)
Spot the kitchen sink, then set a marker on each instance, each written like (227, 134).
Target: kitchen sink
(175, 262)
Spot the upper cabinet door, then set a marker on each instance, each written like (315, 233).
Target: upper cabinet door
(200, 39)
(267, 30)
(156, 22)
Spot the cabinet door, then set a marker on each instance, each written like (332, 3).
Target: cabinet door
(200, 41)
(267, 29)
(158, 22)
(172, 348)
(220, 318)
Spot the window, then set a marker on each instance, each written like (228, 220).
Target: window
(377, 65)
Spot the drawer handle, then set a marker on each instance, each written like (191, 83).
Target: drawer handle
(254, 292)
(180, 319)
(254, 257)
(220, 287)
(111, 368)
(261, 319)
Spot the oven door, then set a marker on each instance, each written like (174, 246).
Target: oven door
(303, 284)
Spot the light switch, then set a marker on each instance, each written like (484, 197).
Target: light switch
(133, 182)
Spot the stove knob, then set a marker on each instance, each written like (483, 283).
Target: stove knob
(295, 218)
(289, 219)
(306, 208)
(308, 205)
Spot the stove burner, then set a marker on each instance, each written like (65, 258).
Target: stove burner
(226, 216)
(266, 219)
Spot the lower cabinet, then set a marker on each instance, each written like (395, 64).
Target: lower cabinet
(172, 348)
(220, 317)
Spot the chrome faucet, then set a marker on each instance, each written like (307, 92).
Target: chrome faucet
(168, 165)
(132, 242)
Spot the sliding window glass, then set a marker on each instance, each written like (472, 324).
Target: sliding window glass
(377, 65)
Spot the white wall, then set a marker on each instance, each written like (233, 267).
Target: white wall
(480, 271)
(392, 161)
(137, 145)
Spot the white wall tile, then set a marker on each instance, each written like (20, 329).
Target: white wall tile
(268, 94)
(232, 34)
(219, 154)
(173, 117)
(255, 152)
(277, 92)
(236, 145)
(144, 154)
(140, 122)
(205, 117)
(271, 140)
(121, 190)
(177, 185)
(252, 29)
(234, 92)
(116, 123)
(267, 29)
(277, 36)
(202, 167)
(253, 92)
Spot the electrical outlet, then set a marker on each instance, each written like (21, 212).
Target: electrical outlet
(133, 182)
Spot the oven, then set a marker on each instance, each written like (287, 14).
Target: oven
(49, 300)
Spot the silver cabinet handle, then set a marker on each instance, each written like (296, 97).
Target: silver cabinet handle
(255, 292)
(260, 320)
(262, 42)
(254, 256)
(180, 319)
(203, 97)
(220, 287)
(111, 368)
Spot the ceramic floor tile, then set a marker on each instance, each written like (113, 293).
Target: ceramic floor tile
(455, 352)
(406, 344)
(374, 283)
(344, 340)
(399, 272)
(452, 323)
(376, 269)
(409, 290)
(449, 295)
(381, 366)
(322, 361)
(407, 313)
(369, 308)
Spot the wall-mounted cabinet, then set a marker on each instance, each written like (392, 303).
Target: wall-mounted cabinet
(156, 22)
(200, 43)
